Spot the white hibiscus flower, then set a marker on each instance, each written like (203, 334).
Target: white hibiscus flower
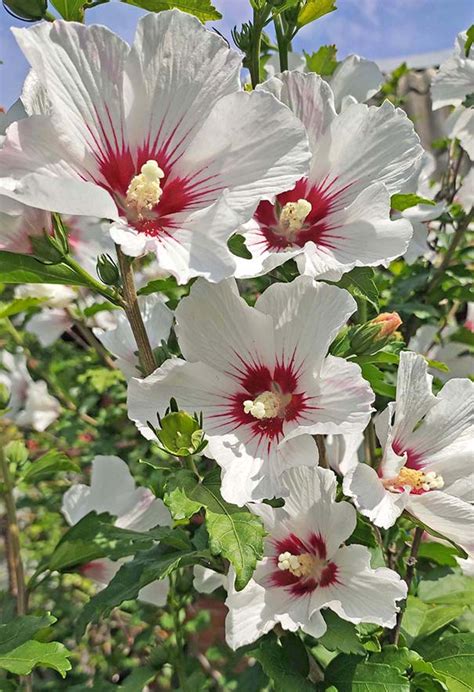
(306, 568)
(120, 341)
(338, 216)
(30, 404)
(158, 137)
(455, 78)
(113, 490)
(427, 467)
(262, 379)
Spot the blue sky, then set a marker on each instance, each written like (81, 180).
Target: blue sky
(372, 28)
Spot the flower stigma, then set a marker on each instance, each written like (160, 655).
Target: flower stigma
(304, 565)
(144, 191)
(416, 480)
(293, 215)
(270, 404)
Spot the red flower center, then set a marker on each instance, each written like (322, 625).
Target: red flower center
(316, 225)
(301, 565)
(278, 388)
(118, 166)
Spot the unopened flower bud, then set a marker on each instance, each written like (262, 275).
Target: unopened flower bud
(368, 338)
(107, 270)
(16, 453)
(51, 248)
(389, 322)
(28, 10)
(181, 434)
(4, 398)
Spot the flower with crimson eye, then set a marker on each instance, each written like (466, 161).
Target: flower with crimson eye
(158, 137)
(305, 569)
(261, 378)
(338, 216)
(426, 469)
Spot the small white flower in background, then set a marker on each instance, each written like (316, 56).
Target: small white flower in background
(30, 403)
(427, 465)
(54, 295)
(337, 217)
(112, 489)
(158, 137)
(262, 379)
(450, 87)
(306, 568)
(206, 580)
(433, 346)
(120, 341)
(455, 78)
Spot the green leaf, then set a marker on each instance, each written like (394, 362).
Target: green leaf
(21, 629)
(178, 496)
(401, 202)
(323, 61)
(24, 658)
(422, 619)
(375, 378)
(234, 532)
(453, 658)
(148, 566)
(94, 537)
(237, 246)
(401, 659)
(340, 635)
(314, 9)
(24, 269)
(354, 674)
(438, 552)
(49, 464)
(456, 589)
(278, 663)
(469, 40)
(138, 678)
(202, 9)
(19, 305)
(360, 282)
(72, 10)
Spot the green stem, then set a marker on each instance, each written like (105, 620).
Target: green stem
(93, 283)
(15, 563)
(410, 573)
(132, 310)
(323, 460)
(370, 444)
(92, 341)
(179, 658)
(259, 20)
(282, 43)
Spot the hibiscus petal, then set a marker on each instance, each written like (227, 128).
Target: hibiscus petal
(370, 497)
(447, 515)
(340, 401)
(308, 96)
(368, 144)
(217, 327)
(319, 311)
(175, 73)
(362, 594)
